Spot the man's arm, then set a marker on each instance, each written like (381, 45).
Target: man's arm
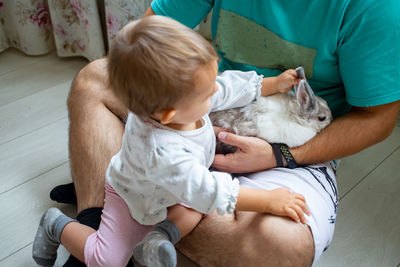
(361, 128)
(349, 134)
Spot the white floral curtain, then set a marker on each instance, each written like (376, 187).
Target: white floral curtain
(72, 27)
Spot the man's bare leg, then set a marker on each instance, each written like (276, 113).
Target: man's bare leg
(251, 240)
(95, 133)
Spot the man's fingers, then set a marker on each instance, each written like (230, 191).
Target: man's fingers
(219, 160)
(218, 129)
(223, 163)
(233, 139)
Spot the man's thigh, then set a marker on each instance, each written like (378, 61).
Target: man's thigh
(269, 240)
(249, 239)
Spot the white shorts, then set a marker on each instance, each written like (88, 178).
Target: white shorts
(318, 185)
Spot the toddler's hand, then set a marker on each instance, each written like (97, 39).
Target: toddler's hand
(285, 203)
(287, 80)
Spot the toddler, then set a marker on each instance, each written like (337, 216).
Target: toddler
(159, 184)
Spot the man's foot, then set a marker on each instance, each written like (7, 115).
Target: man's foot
(64, 193)
(155, 251)
(47, 238)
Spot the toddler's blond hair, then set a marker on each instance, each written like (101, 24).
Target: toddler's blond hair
(152, 62)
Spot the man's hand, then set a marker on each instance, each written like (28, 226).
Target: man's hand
(218, 129)
(253, 154)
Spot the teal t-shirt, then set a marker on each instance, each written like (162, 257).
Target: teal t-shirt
(350, 49)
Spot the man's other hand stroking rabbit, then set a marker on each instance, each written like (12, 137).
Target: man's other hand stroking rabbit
(291, 119)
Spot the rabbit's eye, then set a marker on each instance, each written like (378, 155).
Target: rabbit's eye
(321, 118)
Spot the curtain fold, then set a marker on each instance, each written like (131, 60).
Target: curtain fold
(25, 26)
(71, 27)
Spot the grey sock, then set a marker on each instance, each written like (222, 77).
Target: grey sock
(47, 239)
(157, 248)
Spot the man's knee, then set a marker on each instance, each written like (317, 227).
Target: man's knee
(90, 91)
(88, 84)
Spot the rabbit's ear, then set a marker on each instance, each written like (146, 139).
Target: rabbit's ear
(300, 73)
(306, 99)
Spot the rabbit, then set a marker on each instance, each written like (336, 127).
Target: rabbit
(288, 118)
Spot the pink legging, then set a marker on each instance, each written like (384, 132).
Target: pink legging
(113, 243)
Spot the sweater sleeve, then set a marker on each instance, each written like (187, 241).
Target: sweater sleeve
(236, 89)
(177, 171)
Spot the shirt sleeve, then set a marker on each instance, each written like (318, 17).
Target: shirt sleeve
(369, 52)
(178, 172)
(236, 89)
(187, 12)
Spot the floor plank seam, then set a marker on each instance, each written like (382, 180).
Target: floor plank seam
(15, 252)
(365, 176)
(33, 130)
(43, 173)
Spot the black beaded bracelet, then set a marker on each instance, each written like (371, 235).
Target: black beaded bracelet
(291, 163)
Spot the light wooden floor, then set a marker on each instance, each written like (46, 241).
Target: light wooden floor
(34, 158)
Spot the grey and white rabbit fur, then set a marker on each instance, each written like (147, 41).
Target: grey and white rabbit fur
(289, 118)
